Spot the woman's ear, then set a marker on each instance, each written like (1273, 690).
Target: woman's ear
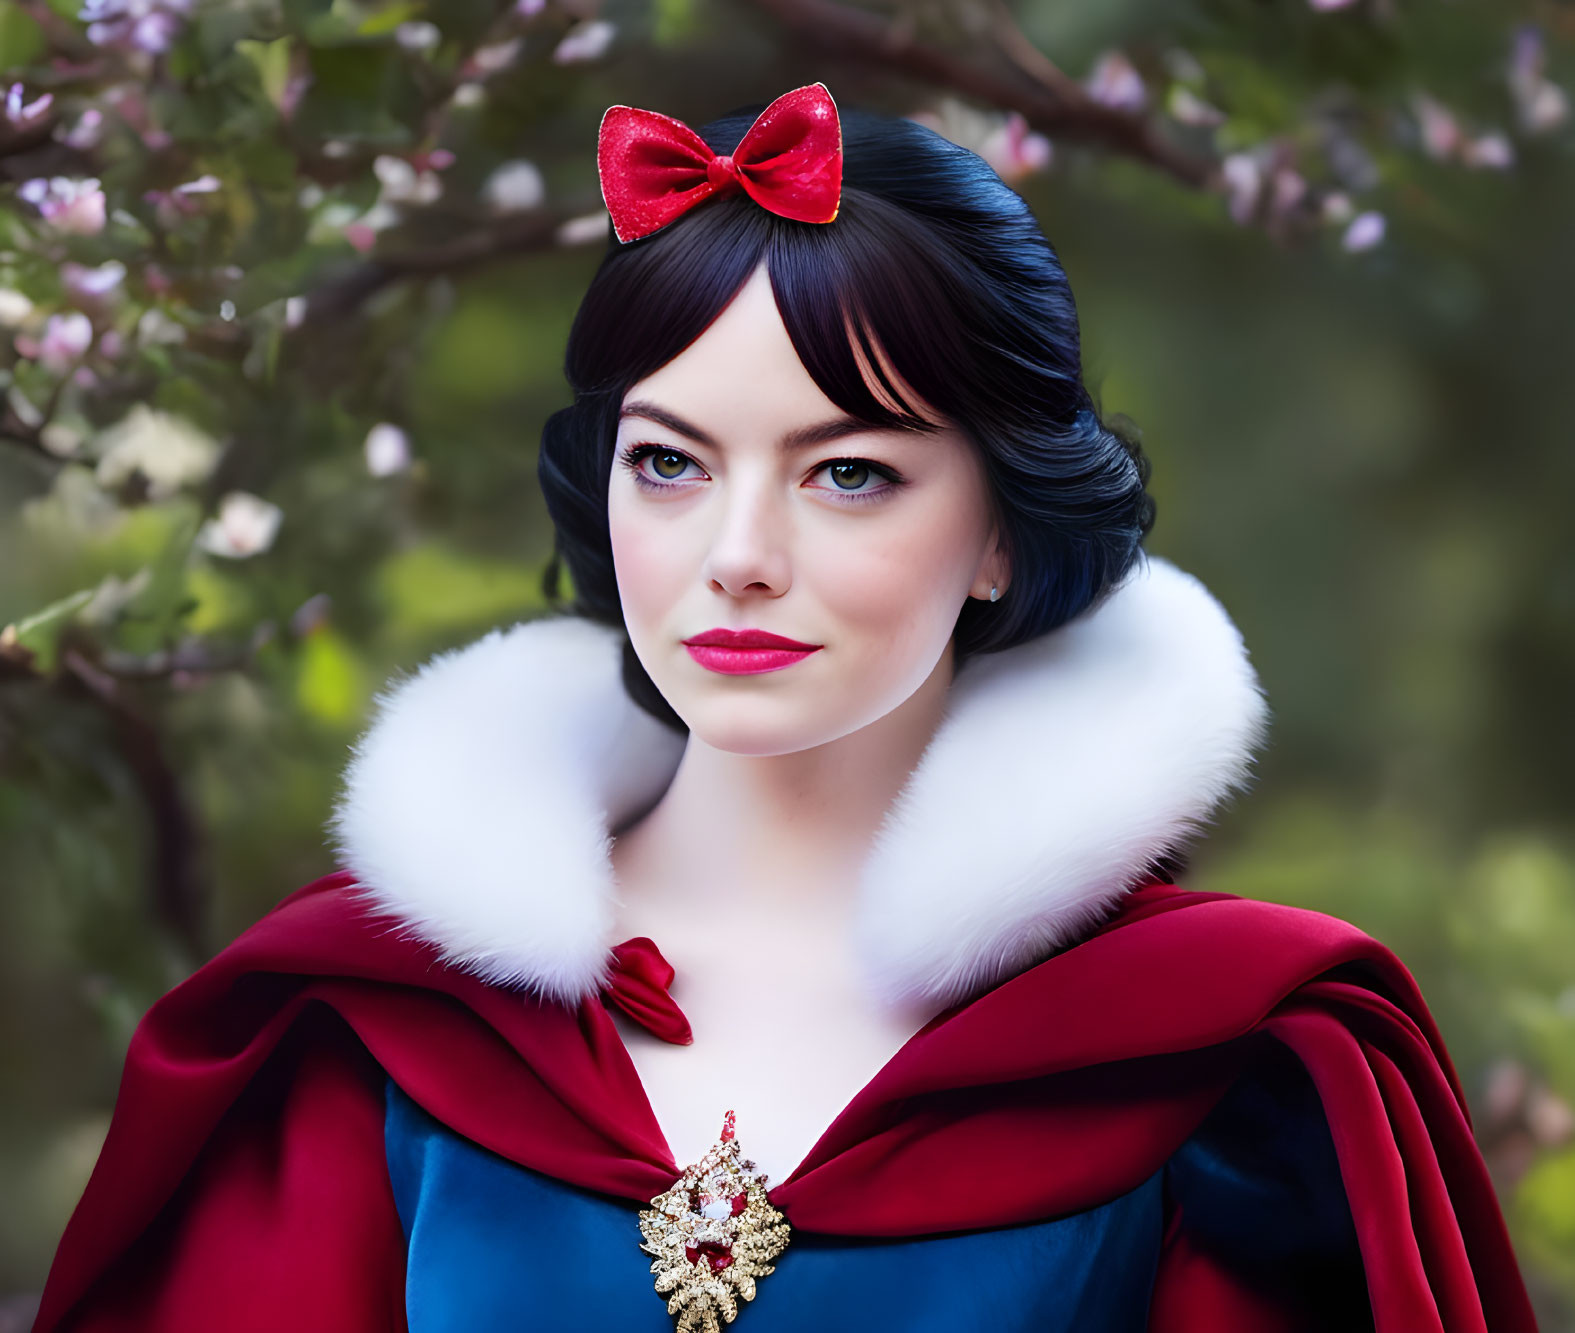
(995, 570)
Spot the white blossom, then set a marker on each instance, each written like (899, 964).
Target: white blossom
(168, 451)
(514, 187)
(156, 329)
(15, 307)
(583, 230)
(403, 184)
(387, 449)
(245, 526)
(418, 35)
(1190, 109)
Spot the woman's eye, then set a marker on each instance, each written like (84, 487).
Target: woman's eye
(858, 479)
(668, 465)
(849, 476)
(656, 467)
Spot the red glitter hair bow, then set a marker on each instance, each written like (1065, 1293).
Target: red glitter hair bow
(654, 168)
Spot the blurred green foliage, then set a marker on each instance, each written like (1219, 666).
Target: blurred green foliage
(288, 451)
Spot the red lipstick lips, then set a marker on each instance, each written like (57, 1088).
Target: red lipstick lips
(738, 652)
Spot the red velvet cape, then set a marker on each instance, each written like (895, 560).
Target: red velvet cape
(243, 1184)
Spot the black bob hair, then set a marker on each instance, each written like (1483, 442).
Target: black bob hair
(939, 267)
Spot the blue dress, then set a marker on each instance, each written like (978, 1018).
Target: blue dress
(493, 1246)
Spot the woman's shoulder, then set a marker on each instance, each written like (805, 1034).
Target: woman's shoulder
(1200, 930)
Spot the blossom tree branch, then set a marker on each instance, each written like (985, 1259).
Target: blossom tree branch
(1023, 81)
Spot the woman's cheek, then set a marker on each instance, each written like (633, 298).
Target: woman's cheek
(645, 557)
(892, 595)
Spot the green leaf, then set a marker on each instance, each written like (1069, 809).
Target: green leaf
(40, 632)
(330, 685)
(674, 21)
(386, 20)
(21, 40)
(1545, 1203)
(431, 591)
(272, 63)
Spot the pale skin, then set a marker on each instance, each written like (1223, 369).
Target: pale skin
(745, 873)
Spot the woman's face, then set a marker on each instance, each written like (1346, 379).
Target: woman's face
(742, 498)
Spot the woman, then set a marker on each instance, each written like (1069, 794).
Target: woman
(873, 738)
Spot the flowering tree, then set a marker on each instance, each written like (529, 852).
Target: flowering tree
(240, 483)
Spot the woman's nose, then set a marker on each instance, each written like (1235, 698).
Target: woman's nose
(750, 545)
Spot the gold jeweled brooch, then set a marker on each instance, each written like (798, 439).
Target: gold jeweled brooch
(713, 1233)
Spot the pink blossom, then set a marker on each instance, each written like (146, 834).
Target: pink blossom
(1440, 130)
(72, 206)
(66, 339)
(184, 201)
(20, 113)
(1287, 189)
(1326, 6)
(92, 285)
(1115, 82)
(1539, 102)
(486, 61)
(1243, 184)
(1014, 150)
(135, 25)
(1337, 207)
(1490, 150)
(1366, 231)
(131, 106)
(1549, 1117)
(86, 133)
(584, 41)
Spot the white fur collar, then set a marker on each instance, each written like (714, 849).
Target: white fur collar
(476, 808)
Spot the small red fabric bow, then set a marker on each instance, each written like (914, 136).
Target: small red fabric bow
(654, 168)
(638, 985)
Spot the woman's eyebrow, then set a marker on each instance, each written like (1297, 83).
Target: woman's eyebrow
(802, 438)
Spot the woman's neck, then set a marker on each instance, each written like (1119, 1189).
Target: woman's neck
(792, 826)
